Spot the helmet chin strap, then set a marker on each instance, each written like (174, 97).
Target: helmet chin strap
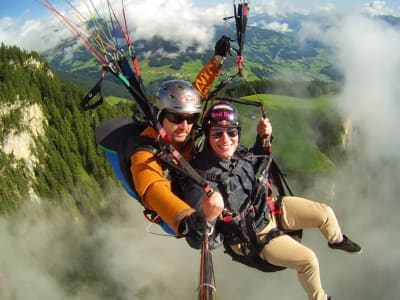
(158, 116)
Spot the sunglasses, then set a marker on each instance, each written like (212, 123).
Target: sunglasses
(179, 118)
(217, 133)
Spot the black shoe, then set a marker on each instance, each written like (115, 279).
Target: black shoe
(346, 245)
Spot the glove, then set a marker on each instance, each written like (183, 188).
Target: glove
(193, 224)
(193, 228)
(223, 46)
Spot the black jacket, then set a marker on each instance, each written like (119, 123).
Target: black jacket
(235, 180)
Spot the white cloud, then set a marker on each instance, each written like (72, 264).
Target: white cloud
(274, 9)
(279, 9)
(366, 50)
(39, 34)
(279, 27)
(179, 21)
(283, 8)
(378, 8)
(5, 23)
(43, 246)
(370, 58)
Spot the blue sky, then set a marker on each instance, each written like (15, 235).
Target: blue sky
(19, 7)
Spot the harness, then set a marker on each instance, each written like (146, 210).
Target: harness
(241, 228)
(120, 139)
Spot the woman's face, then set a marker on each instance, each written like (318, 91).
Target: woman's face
(224, 141)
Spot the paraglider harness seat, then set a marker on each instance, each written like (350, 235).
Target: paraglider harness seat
(120, 138)
(250, 254)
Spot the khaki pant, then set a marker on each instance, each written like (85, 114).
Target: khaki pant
(300, 213)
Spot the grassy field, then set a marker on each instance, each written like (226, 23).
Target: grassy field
(294, 142)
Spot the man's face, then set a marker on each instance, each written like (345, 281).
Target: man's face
(223, 141)
(179, 126)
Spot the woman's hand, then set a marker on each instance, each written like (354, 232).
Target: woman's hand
(264, 128)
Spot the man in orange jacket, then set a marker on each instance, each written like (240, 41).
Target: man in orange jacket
(178, 106)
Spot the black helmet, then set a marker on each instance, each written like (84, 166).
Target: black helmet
(178, 96)
(221, 114)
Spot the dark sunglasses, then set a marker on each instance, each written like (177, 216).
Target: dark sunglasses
(217, 133)
(179, 118)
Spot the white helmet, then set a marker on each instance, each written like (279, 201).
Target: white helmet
(178, 96)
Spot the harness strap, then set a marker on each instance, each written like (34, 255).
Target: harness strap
(252, 258)
(85, 103)
(276, 210)
(152, 216)
(274, 207)
(246, 223)
(225, 175)
(273, 233)
(245, 220)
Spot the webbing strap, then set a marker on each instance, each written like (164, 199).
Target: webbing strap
(274, 209)
(152, 216)
(87, 102)
(273, 233)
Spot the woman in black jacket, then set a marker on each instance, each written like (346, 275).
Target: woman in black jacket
(248, 225)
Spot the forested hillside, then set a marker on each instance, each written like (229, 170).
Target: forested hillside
(63, 161)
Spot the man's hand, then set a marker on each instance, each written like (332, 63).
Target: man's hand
(212, 206)
(223, 46)
(193, 225)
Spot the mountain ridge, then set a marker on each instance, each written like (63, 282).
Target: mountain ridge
(269, 54)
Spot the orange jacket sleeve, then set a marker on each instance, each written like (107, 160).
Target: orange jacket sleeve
(207, 75)
(155, 190)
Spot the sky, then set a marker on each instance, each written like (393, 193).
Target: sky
(38, 250)
(32, 8)
(29, 25)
